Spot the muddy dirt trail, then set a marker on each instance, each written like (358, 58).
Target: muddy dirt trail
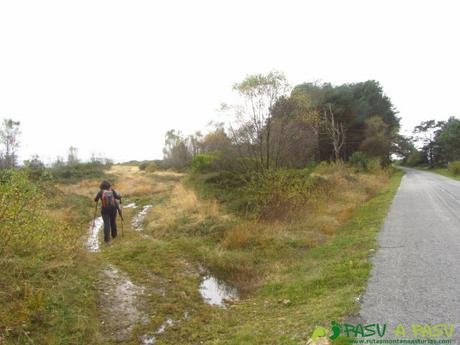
(122, 302)
(124, 309)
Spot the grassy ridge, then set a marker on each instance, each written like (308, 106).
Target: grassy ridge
(291, 277)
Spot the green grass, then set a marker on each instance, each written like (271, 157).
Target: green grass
(47, 286)
(444, 172)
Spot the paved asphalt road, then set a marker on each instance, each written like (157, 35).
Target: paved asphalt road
(416, 268)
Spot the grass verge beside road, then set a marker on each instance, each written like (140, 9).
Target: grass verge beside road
(444, 172)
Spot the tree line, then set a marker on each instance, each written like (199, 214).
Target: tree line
(276, 126)
(69, 168)
(432, 143)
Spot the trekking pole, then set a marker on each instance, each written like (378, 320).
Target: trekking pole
(122, 220)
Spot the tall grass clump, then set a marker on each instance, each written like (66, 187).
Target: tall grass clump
(279, 194)
(43, 293)
(454, 167)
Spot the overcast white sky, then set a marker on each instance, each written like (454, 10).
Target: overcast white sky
(112, 77)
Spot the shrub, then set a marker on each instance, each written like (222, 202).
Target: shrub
(75, 172)
(374, 164)
(359, 160)
(143, 165)
(281, 193)
(454, 167)
(149, 166)
(415, 158)
(38, 258)
(203, 162)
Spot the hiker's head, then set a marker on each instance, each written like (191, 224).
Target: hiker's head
(105, 185)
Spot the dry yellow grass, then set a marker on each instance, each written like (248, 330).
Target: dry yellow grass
(169, 173)
(124, 170)
(350, 191)
(85, 188)
(183, 202)
(184, 199)
(132, 181)
(240, 236)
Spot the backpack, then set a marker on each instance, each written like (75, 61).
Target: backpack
(108, 200)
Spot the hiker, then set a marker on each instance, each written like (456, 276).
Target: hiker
(109, 208)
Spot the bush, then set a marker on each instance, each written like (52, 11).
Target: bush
(416, 158)
(38, 259)
(374, 164)
(151, 167)
(75, 172)
(148, 166)
(203, 163)
(454, 167)
(143, 165)
(279, 194)
(359, 160)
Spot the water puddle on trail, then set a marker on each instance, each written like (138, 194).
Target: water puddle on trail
(216, 292)
(138, 219)
(92, 243)
(131, 205)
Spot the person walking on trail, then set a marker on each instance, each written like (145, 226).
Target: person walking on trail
(109, 208)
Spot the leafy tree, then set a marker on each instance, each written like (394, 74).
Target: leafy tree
(176, 152)
(426, 134)
(295, 128)
(403, 147)
(72, 157)
(34, 163)
(217, 140)
(352, 105)
(195, 143)
(59, 162)
(377, 142)
(9, 138)
(416, 158)
(260, 93)
(448, 141)
(36, 168)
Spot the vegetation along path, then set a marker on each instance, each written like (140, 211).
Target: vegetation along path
(197, 263)
(190, 271)
(416, 276)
